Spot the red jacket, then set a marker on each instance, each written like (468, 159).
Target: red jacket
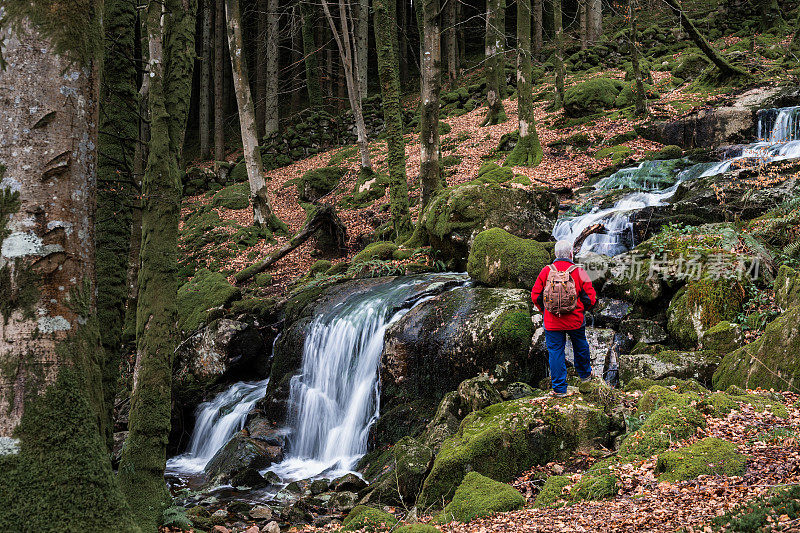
(586, 298)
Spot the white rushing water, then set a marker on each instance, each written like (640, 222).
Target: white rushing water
(216, 422)
(334, 400)
(782, 142)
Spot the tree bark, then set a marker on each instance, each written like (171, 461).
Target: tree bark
(451, 40)
(639, 92)
(583, 23)
(388, 67)
(726, 68)
(205, 82)
(219, 80)
(310, 55)
(594, 20)
(538, 20)
(402, 44)
(262, 208)
(344, 42)
(430, 170)
(528, 151)
(495, 62)
(262, 38)
(271, 113)
(171, 32)
(558, 29)
(362, 45)
(51, 396)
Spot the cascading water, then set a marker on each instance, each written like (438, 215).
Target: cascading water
(334, 400)
(216, 422)
(660, 179)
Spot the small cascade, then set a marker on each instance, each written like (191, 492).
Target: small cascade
(778, 134)
(216, 422)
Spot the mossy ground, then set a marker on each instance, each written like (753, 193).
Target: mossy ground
(363, 518)
(205, 290)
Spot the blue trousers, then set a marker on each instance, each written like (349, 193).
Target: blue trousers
(556, 341)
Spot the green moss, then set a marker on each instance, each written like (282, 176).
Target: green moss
(369, 187)
(381, 250)
(318, 182)
(493, 173)
(368, 519)
(552, 491)
(417, 528)
(450, 161)
(617, 153)
(232, 197)
(513, 328)
(657, 397)
(711, 456)
(527, 152)
(787, 286)
(715, 299)
(522, 180)
(19, 290)
(339, 157)
(594, 486)
(500, 259)
(259, 307)
(320, 267)
(661, 429)
(206, 290)
(591, 96)
(479, 497)
(666, 153)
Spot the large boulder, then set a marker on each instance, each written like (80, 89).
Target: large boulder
(709, 456)
(592, 96)
(457, 215)
(508, 438)
(772, 361)
(787, 288)
(499, 259)
(479, 496)
(699, 366)
(239, 461)
(456, 335)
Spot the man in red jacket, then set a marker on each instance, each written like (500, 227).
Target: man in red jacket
(556, 328)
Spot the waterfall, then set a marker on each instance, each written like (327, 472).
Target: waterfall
(216, 422)
(334, 400)
(660, 179)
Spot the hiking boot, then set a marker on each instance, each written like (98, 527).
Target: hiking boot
(587, 379)
(554, 394)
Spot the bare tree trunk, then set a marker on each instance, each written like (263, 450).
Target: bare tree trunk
(271, 112)
(430, 170)
(219, 81)
(495, 62)
(362, 45)
(538, 20)
(583, 22)
(451, 40)
(310, 55)
(205, 81)
(262, 208)
(403, 39)
(639, 94)
(344, 42)
(594, 20)
(558, 28)
(262, 38)
(296, 70)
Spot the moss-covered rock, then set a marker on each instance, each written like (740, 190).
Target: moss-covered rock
(787, 288)
(318, 182)
(478, 393)
(722, 338)
(635, 284)
(478, 496)
(711, 456)
(507, 438)
(369, 187)
(627, 97)
(552, 491)
(232, 197)
(595, 485)
(499, 259)
(205, 290)
(698, 365)
(368, 519)
(494, 173)
(381, 250)
(591, 96)
(417, 528)
(661, 429)
(772, 361)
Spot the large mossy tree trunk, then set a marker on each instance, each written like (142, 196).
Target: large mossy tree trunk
(262, 208)
(538, 27)
(726, 68)
(170, 37)
(528, 151)
(558, 29)
(495, 61)
(220, 45)
(388, 71)
(431, 86)
(310, 55)
(639, 95)
(116, 188)
(55, 468)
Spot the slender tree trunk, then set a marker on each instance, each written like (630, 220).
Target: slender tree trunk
(495, 62)
(403, 40)
(639, 93)
(262, 208)
(272, 114)
(219, 80)
(538, 41)
(310, 55)
(451, 40)
(430, 170)
(345, 44)
(171, 32)
(56, 473)
(116, 155)
(528, 151)
(388, 67)
(297, 71)
(594, 20)
(558, 29)
(205, 82)
(725, 67)
(262, 38)
(584, 23)
(362, 45)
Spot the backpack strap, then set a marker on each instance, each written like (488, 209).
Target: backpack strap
(571, 269)
(553, 268)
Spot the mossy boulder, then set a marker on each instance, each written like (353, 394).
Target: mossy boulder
(204, 291)
(772, 361)
(478, 393)
(381, 250)
(363, 518)
(508, 438)
(552, 491)
(369, 187)
(709, 456)
(479, 496)
(232, 197)
(402, 471)
(318, 182)
(630, 279)
(456, 335)
(499, 259)
(690, 65)
(661, 429)
(494, 173)
(699, 365)
(457, 215)
(722, 338)
(417, 528)
(627, 96)
(787, 288)
(591, 96)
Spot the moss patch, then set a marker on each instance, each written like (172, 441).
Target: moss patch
(232, 197)
(499, 259)
(368, 519)
(206, 290)
(710, 456)
(478, 497)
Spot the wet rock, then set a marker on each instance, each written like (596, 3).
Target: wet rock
(515, 391)
(318, 486)
(348, 482)
(630, 279)
(261, 512)
(116, 451)
(260, 428)
(240, 455)
(455, 336)
(344, 501)
(609, 312)
(699, 366)
(445, 422)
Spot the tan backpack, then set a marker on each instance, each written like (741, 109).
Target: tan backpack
(560, 294)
